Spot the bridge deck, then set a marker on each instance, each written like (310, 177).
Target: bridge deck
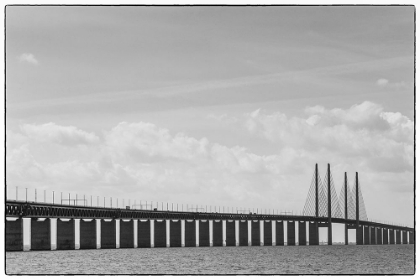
(47, 210)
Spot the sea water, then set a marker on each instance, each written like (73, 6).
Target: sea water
(336, 259)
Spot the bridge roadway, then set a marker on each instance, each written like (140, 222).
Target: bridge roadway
(46, 210)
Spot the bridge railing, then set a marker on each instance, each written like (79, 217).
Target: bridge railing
(74, 199)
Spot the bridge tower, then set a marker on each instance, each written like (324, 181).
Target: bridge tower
(316, 192)
(346, 233)
(358, 230)
(329, 207)
(316, 205)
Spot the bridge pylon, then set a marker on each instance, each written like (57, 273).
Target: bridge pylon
(359, 230)
(315, 226)
(346, 231)
(329, 206)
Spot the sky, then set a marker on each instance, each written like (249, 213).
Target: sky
(211, 106)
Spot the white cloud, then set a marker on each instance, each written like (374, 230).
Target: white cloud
(393, 85)
(382, 82)
(363, 132)
(28, 58)
(65, 135)
(149, 140)
(134, 154)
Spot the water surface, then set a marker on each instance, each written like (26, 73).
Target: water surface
(337, 259)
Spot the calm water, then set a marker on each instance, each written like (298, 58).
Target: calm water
(384, 259)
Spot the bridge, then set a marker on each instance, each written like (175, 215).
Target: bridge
(144, 228)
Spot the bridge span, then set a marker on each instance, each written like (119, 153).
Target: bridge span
(153, 228)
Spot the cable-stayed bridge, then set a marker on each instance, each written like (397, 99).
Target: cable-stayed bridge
(92, 227)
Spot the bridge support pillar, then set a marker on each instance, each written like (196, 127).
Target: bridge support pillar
(302, 233)
(291, 238)
(255, 233)
(143, 234)
(190, 240)
(373, 235)
(126, 234)
(175, 233)
(108, 234)
(329, 233)
(230, 233)
(14, 235)
(411, 237)
(391, 236)
(40, 234)
(65, 234)
(313, 233)
(404, 239)
(243, 233)
(204, 235)
(366, 237)
(385, 238)
(279, 233)
(359, 235)
(217, 233)
(346, 234)
(398, 236)
(379, 236)
(160, 233)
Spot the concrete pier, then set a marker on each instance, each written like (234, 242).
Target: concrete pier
(302, 233)
(88, 234)
(230, 233)
(398, 236)
(243, 233)
(217, 233)
(268, 233)
(160, 233)
(359, 235)
(66, 234)
(379, 233)
(14, 235)
(127, 234)
(204, 235)
(143, 234)
(40, 234)
(411, 237)
(108, 234)
(346, 235)
(190, 233)
(313, 233)
(291, 238)
(366, 235)
(385, 240)
(373, 235)
(279, 233)
(391, 236)
(255, 233)
(175, 233)
(404, 238)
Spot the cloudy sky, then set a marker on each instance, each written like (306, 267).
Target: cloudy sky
(220, 106)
